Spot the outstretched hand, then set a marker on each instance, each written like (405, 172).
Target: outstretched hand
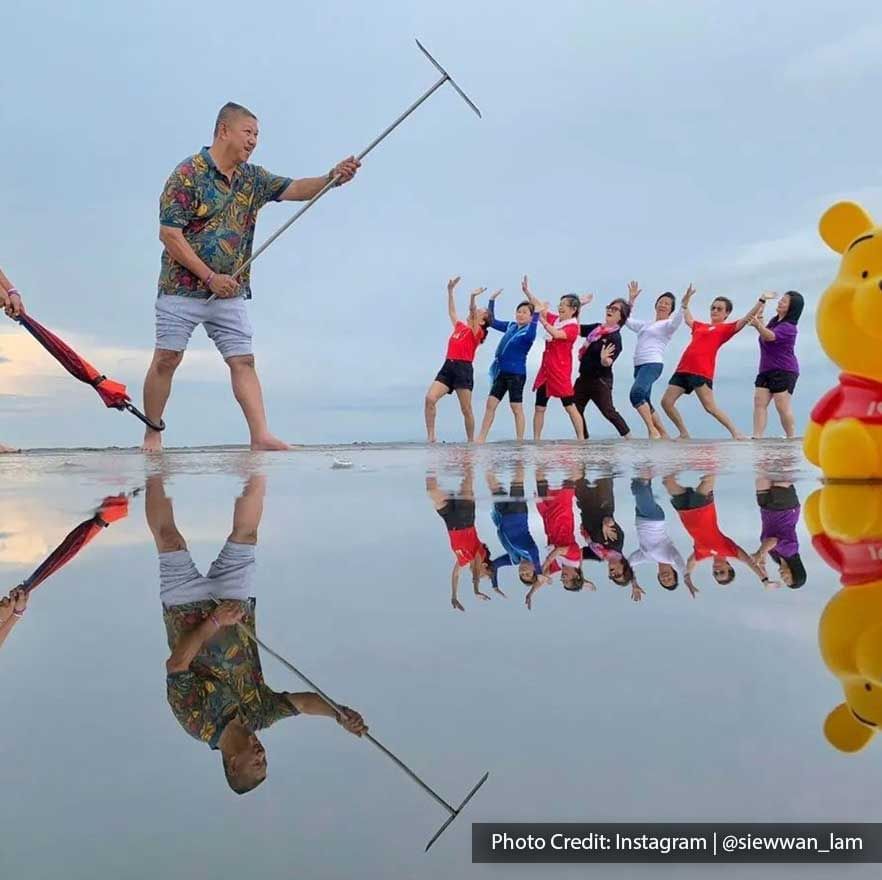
(496, 294)
(633, 291)
(690, 292)
(352, 721)
(586, 299)
(525, 287)
(346, 170)
(477, 292)
(452, 284)
(768, 296)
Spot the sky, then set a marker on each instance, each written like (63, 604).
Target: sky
(671, 143)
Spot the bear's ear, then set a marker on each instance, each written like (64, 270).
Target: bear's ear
(843, 223)
(844, 731)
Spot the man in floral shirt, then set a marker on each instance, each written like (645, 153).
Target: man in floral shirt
(214, 680)
(207, 213)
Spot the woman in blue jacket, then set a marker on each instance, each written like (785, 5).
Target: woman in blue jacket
(509, 369)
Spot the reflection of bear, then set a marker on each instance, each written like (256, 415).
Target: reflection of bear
(844, 436)
(845, 522)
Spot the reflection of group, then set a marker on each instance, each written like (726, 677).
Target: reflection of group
(602, 539)
(214, 679)
(775, 381)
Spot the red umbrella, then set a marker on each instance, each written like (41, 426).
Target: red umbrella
(112, 393)
(113, 508)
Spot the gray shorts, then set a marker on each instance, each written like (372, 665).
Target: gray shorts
(225, 320)
(231, 576)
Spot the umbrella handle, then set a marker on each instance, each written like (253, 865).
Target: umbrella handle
(139, 415)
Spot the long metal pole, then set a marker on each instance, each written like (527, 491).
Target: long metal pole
(339, 710)
(333, 181)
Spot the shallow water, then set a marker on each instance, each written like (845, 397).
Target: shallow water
(589, 706)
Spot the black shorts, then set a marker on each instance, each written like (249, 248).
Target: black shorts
(458, 513)
(542, 397)
(691, 500)
(690, 381)
(778, 498)
(776, 381)
(456, 375)
(513, 383)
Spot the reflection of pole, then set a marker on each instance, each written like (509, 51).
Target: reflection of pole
(339, 710)
(454, 811)
(333, 181)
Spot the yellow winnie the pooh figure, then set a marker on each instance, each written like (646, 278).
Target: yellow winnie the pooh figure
(845, 521)
(844, 436)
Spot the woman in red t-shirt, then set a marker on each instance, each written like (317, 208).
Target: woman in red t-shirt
(457, 373)
(695, 372)
(458, 512)
(555, 376)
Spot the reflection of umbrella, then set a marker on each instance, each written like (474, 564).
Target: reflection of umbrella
(113, 508)
(112, 393)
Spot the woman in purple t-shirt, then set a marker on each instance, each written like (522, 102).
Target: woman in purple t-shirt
(778, 367)
(779, 511)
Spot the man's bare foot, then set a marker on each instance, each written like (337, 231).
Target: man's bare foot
(739, 436)
(152, 441)
(480, 441)
(269, 444)
(683, 436)
(8, 449)
(654, 435)
(431, 440)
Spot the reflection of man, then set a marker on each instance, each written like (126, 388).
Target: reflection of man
(698, 513)
(10, 303)
(215, 684)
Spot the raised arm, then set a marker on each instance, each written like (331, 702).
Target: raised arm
(552, 331)
(501, 326)
(756, 310)
(451, 301)
(765, 333)
(684, 306)
(473, 308)
(537, 304)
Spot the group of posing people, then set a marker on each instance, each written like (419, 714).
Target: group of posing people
(603, 539)
(776, 378)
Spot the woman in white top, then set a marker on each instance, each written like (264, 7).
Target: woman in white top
(652, 340)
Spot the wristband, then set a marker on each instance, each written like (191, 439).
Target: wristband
(209, 279)
(13, 292)
(18, 614)
(214, 620)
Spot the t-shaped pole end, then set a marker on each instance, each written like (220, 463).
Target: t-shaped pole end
(450, 79)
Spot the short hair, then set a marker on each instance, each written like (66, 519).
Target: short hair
(726, 302)
(674, 585)
(572, 301)
(626, 576)
(624, 310)
(578, 580)
(227, 112)
(528, 579)
(668, 295)
(235, 785)
(529, 305)
(728, 578)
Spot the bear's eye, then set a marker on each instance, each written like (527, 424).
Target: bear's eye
(864, 274)
(868, 687)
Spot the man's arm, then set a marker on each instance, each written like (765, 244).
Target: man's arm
(222, 286)
(312, 704)
(309, 187)
(190, 643)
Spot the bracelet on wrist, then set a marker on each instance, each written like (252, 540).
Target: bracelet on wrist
(208, 279)
(13, 292)
(18, 614)
(215, 621)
